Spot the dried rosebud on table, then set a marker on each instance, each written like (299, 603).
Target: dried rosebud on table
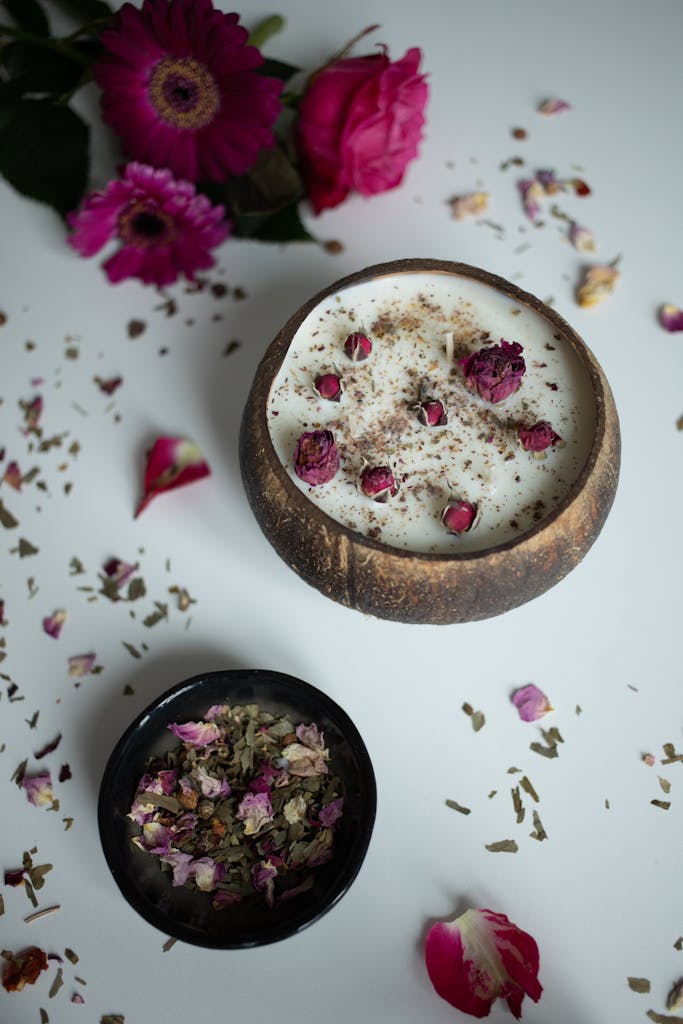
(357, 346)
(598, 283)
(378, 483)
(479, 957)
(495, 372)
(671, 317)
(316, 457)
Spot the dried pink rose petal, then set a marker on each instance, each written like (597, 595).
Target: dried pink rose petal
(304, 761)
(311, 736)
(598, 283)
(316, 457)
(431, 413)
(172, 462)
(255, 810)
(206, 872)
(495, 372)
(181, 864)
(459, 516)
(13, 475)
(378, 483)
(329, 386)
(77, 998)
(357, 346)
(538, 437)
(38, 789)
(671, 317)
(550, 182)
(33, 410)
(531, 703)
(262, 875)
(81, 664)
(479, 957)
(553, 106)
(209, 784)
(581, 238)
(52, 624)
(532, 194)
(196, 734)
(470, 205)
(120, 572)
(332, 812)
(649, 759)
(108, 385)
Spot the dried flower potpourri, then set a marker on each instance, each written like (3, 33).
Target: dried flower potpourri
(245, 808)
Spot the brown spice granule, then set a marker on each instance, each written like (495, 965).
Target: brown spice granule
(136, 328)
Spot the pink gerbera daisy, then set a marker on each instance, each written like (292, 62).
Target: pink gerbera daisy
(165, 228)
(180, 88)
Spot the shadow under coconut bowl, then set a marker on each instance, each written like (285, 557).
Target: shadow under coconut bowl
(186, 913)
(459, 580)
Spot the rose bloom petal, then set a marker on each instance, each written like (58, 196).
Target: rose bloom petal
(671, 317)
(581, 238)
(38, 789)
(470, 205)
(52, 624)
(13, 476)
(532, 193)
(553, 106)
(598, 283)
(480, 957)
(197, 734)
(256, 811)
(172, 462)
(206, 872)
(332, 812)
(531, 703)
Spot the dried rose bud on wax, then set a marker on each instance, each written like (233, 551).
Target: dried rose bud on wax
(539, 437)
(378, 483)
(329, 386)
(459, 516)
(357, 346)
(432, 413)
(495, 372)
(316, 457)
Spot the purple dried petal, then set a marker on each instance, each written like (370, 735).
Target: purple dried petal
(538, 437)
(52, 624)
(581, 238)
(197, 734)
(256, 811)
(671, 317)
(210, 785)
(206, 872)
(38, 789)
(49, 747)
(532, 195)
(81, 664)
(553, 106)
(531, 703)
(182, 866)
(332, 812)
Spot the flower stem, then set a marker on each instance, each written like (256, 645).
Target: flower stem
(45, 43)
(265, 30)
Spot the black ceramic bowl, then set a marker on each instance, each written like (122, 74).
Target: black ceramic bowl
(187, 914)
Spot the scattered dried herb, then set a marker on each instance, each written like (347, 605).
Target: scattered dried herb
(156, 616)
(136, 328)
(6, 518)
(133, 651)
(663, 804)
(68, 822)
(56, 984)
(71, 956)
(49, 747)
(44, 1018)
(664, 784)
(477, 717)
(674, 1000)
(170, 942)
(538, 832)
(2, 904)
(112, 1018)
(23, 968)
(552, 738)
(231, 347)
(455, 806)
(245, 808)
(641, 985)
(670, 754)
(663, 1018)
(42, 913)
(503, 846)
(678, 944)
(24, 548)
(517, 804)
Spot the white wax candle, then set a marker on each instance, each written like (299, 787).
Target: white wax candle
(476, 456)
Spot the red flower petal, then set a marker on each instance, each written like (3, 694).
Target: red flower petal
(480, 957)
(172, 462)
(24, 969)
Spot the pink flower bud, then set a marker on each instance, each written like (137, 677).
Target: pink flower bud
(495, 372)
(378, 483)
(539, 437)
(316, 457)
(432, 413)
(328, 385)
(458, 516)
(357, 346)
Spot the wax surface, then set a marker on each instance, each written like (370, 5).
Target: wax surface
(476, 456)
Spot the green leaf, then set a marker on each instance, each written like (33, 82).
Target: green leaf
(265, 30)
(29, 15)
(84, 10)
(43, 151)
(277, 69)
(37, 70)
(271, 184)
(283, 226)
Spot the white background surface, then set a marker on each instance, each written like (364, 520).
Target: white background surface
(602, 895)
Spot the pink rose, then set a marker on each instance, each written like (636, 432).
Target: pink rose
(360, 124)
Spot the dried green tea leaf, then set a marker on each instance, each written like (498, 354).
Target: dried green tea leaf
(674, 1000)
(157, 616)
(503, 846)
(33, 721)
(128, 690)
(663, 1018)
(606, 805)
(6, 518)
(513, 770)
(56, 984)
(517, 804)
(44, 1019)
(68, 822)
(528, 788)
(76, 567)
(131, 650)
(538, 748)
(639, 984)
(539, 832)
(671, 755)
(664, 804)
(169, 803)
(678, 944)
(579, 709)
(70, 955)
(136, 589)
(170, 942)
(455, 806)
(665, 784)
(492, 794)
(19, 772)
(25, 548)
(112, 1018)
(478, 720)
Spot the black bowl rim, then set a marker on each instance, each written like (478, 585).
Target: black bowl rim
(350, 868)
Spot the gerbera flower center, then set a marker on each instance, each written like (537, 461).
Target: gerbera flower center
(184, 93)
(144, 226)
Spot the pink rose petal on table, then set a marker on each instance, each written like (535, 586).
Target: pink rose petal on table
(206, 872)
(553, 106)
(38, 789)
(77, 998)
(532, 193)
(197, 734)
(671, 317)
(172, 462)
(13, 476)
(120, 572)
(469, 205)
(480, 957)
(531, 703)
(581, 238)
(52, 624)
(81, 664)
